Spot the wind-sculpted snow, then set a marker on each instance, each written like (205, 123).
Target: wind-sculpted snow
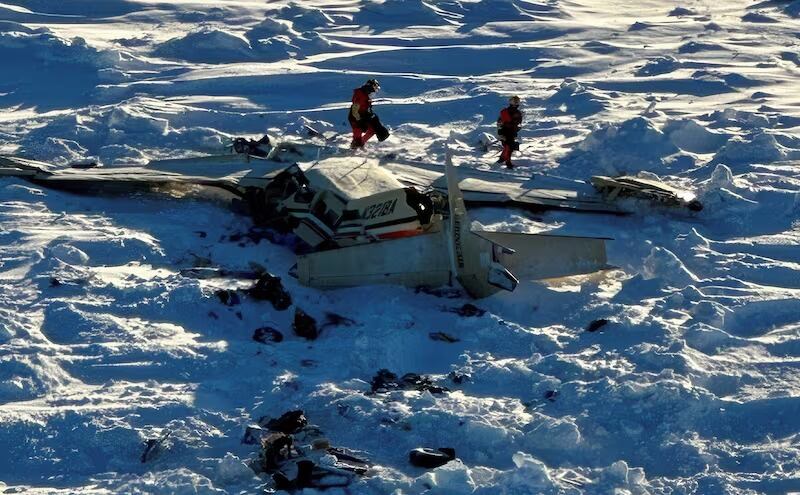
(675, 371)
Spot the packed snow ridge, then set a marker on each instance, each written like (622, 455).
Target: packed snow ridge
(122, 371)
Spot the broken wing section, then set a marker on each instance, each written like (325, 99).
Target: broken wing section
(540, 256)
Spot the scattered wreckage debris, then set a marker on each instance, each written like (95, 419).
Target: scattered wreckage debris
(289, 422)
(358, 221)
(297, 455)
(385, 381)
(268, 287)
(228, 297)
(153, 447)
(645, 188)
(430, 458)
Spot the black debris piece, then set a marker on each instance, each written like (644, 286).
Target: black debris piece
(304, 325)
(289, 422)
(348, 460)
(386, 381)
(228, 297)
(551, 395)
(443, 337)
(254, 235)
(468, 310)
(257, 268)
(597, 325)
(459, 378)
(430, 458)
(153, 447)
(447, 293)
(275, 450)
(421, 383)
(267, 335)
(54, 282)
(253, 435)
(83, 165)
(269, 288)
(334, 320)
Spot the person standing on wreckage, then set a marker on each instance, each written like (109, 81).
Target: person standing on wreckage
(362, 119)
(508, 126)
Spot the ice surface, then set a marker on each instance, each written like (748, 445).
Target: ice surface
(691, 386)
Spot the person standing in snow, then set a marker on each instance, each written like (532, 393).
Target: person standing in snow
(362, 119)
(508, 126)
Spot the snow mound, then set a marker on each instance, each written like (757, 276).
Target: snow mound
(20, 45)
(206, 45)
(15, 27)
(793, 9)
(453, 478)
(304, 18)
(29, 377)
(396, 13)
(758, 17)
(659, 65)
(69, 254)
(268, 28)
(274, 40)
(691, 136)
(122, 154)
(633, 145)
(479, 12)
(760, 147)
(663, 264)
(58, 151)
(231, 470)
(681, 11)
(179, 481)
(698, 46)
(730, 117)
(129, 119)
(573, 98)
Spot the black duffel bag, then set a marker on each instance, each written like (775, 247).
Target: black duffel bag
(381, 132)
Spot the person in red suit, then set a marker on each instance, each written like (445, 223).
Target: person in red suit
(508, 126)
(362, 119)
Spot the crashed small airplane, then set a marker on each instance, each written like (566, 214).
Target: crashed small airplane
(367, 221)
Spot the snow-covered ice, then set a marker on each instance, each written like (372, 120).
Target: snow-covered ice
(692, 385)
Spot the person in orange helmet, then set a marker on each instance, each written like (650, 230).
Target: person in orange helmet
(362, 119)
(508, 126)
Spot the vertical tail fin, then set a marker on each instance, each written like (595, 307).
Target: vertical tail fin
(472, 258)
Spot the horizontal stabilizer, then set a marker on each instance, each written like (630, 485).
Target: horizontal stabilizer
(539, 256)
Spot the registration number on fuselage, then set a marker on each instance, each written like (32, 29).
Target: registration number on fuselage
(379, 209)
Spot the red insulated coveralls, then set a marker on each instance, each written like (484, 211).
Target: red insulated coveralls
(508, 125)
(360, 116)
